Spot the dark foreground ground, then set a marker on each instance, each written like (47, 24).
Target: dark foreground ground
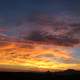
(63, 75)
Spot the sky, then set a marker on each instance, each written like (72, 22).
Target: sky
(54, 21)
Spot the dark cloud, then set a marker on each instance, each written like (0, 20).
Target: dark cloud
(56, 40)
(35, 36)
(59, 30)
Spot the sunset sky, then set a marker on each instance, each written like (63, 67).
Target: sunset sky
(56, 22)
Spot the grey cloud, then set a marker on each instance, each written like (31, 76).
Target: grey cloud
(58, 30)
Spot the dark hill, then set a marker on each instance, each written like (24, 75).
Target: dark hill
(61, 75)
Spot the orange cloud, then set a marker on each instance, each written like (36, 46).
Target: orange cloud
(21, 54)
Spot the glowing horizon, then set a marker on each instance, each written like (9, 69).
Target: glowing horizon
(34, 56)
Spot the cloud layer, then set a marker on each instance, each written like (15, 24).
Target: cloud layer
(61, 30)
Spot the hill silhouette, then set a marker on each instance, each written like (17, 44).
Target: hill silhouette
(61, 75)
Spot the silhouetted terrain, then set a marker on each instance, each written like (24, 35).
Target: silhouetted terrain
(62, 75)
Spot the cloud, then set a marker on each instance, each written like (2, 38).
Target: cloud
(58, 30)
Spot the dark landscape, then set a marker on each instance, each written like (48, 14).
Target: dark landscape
(61, 75)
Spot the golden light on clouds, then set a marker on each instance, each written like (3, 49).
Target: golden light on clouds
(28, 56)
